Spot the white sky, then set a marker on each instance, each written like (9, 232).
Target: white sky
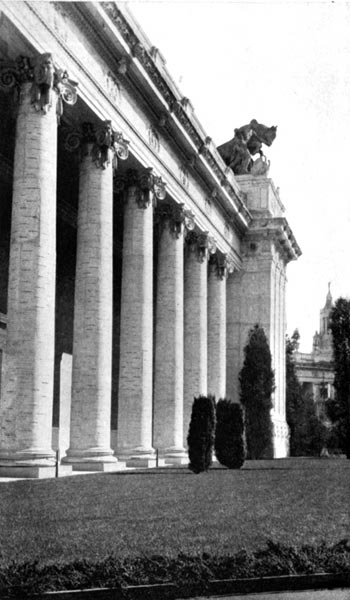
(287, 64)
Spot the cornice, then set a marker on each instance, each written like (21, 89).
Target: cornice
(176, 109)
(277, 230)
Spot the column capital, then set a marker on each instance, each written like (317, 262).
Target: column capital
(45, 78)
(222, 264)
(202, 243)
(176, 217)
(148, 186)
(106, 145)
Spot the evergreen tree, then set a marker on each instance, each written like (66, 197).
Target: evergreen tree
(257, 384)
(338, 410)
(201, 434)
(310, 434)
(294, 399)
(307, 433)
(229, 434)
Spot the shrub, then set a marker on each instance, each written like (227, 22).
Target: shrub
(257, 384)
(201, 434)
(229, 435)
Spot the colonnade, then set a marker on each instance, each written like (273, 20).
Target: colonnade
(159, 373)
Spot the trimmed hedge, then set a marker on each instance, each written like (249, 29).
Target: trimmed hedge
(19, 580)
(201, 434)
(229, 434)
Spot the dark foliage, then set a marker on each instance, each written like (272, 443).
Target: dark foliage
(201, 434)
(19, 580)
(257, 384)
(307, 433)
(338, 410)
(229, 434)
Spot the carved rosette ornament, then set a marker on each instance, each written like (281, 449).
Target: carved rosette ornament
(176, 217)
(46, 79)
(106, 144)
(202, 243)
(149, 187)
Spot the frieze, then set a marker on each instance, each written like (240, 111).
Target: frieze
(45, 78)
(175, 107)
(153, 139)
(184, 176)
(112, 88)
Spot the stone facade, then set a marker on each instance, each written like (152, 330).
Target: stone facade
(169, 257)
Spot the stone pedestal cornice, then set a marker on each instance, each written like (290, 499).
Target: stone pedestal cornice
(277, 231)
(45, 78)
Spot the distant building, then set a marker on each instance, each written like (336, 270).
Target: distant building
(316, 370)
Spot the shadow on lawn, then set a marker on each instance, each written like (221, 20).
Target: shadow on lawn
(284, 464)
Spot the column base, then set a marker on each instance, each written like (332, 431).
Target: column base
(31, 463)
(27, 471)
(143, 462)
(94, 456)
(100, 467)
(174, 456)
(139, 457)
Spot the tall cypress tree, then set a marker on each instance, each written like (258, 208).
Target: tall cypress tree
(201, 434)
(339, 409)
(294, 397)
(257, 384)
(229, 434)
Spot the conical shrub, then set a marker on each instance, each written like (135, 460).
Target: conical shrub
(201, 434)
(229, 434)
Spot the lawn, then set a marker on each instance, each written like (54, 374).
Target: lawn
(170, 510)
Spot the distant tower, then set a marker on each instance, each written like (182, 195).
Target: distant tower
(322, 341)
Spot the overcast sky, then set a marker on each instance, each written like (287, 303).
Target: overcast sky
(286, 64)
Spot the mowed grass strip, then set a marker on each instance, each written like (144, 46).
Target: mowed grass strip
(168, 511)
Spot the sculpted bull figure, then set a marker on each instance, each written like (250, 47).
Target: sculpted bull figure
(248, 140)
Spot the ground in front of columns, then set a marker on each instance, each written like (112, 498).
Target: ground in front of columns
(171, 510)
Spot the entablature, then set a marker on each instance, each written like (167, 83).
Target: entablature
(278, 232)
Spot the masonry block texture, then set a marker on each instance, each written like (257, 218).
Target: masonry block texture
(26, 403)
(216, 333)
(195, 332)
(169, 351)
(136, 332)
(92, 342)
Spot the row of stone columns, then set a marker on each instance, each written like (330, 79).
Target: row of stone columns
(188, 360)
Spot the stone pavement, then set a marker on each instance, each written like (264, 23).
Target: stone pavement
(337, 594)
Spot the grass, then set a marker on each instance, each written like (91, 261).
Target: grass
(168, 511)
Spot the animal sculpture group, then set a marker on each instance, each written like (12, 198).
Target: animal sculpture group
(238, 153)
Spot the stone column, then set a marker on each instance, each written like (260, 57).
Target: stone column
(27, 396)
(92, 342)
(217, 327)
(136, 323)
(234, 347)
(169, 340)
(195, 323)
